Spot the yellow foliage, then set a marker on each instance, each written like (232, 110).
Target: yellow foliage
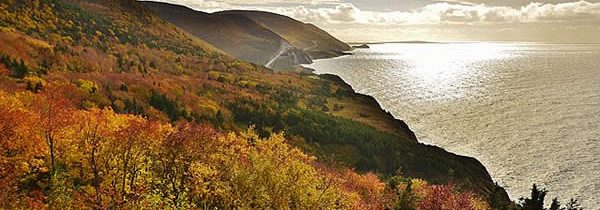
(479, 204)
(38, 43)
(86, 85)
(213, 75)
(208, 106)
(420, 187)
(6, 29)
(21, 147)
(221, 76)
(248, 84)
(245, 171)
(126, 161)
(34, 80)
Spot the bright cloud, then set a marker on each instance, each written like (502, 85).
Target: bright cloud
(454, 19)
(256, 2)
(202, 5)
(449, 13)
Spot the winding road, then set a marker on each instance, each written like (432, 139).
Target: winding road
(284, 46)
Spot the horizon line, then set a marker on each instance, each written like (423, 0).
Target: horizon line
(457, 41)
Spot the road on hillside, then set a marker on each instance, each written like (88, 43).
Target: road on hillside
(284, 46)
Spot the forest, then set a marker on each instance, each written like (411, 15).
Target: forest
(96, 158)
(103, 105)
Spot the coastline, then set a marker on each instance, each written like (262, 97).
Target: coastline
(486, 185)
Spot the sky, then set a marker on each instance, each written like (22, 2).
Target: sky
(553, 21)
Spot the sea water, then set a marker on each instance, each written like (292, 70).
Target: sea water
(529, 112)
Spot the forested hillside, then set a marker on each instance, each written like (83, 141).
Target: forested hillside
(105, 105)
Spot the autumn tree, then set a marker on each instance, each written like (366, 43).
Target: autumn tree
(406, 199)
(132, 150)
(370, 189)
(179, 151)
(441, 197)
(20, 148)
(94, 132)
(54, 112)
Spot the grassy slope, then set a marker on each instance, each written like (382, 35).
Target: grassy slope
(143, 65)
(299, 34)
(235, 34)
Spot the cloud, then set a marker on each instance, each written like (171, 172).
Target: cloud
(273, 2)
(577, 21)
(442, 12)
(581, 10)
(203, 5)
(340, 13)
(449, 13)
(455, 1)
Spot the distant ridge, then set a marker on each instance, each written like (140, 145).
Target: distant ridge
(260, 37)
(398, 42)
(317, 42)
(237, 35)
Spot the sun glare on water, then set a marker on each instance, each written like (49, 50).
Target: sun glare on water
(439, 69)
(530, 112)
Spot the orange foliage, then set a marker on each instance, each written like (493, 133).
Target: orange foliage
(3, 70)
(123, 161)
(20, 147)
(67, 148)
(446, 197)
(370, 189)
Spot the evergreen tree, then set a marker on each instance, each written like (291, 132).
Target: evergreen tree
(536, 202)
(555, 204)
(44, 67)
(573, 205)
(20, 69)
(498, 199)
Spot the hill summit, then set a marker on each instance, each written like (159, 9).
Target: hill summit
(260, 37)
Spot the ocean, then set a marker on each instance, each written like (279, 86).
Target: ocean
(529, 112)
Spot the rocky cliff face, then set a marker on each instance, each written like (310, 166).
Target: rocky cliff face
(467, 172)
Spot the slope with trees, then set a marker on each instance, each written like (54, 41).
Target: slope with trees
(103, 104)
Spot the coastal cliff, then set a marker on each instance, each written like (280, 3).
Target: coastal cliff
(391, 148)
(119, 83)
(465, 171)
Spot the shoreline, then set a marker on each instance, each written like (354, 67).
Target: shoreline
(402, 125)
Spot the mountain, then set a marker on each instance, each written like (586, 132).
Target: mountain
(139, 113)
(260, 37)
(317, 42)
(236, 35)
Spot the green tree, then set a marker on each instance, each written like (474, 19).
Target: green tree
(536, 202)
(20, 69)
(555, 204)
(573, 205)
(498, 199)
(404, 192)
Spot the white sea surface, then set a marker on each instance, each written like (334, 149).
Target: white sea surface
(529, 112)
